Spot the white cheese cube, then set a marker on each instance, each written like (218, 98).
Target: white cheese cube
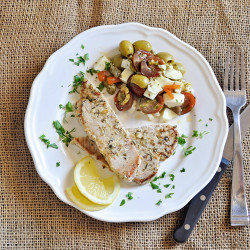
(100, 63)
(154, 87)
(126, 73)
(125, 64)
(163, 66)
(173, 74)
(176, 101)
(150, 117)
(178, 90)
(168, 115)
(164, 81)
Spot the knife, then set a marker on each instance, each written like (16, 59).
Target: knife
(196, 206)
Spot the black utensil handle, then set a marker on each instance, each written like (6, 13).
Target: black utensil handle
(196, 206)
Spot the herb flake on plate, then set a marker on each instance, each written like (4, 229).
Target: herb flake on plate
(47, 142)
(64, 135)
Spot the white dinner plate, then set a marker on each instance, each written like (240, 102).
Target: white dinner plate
(51, 87)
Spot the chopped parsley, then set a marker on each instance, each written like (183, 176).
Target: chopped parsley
(173, 187)
(78, 79)
(189, 150)
(183, 170)
(82, 46)
(167, 185)
(82, 59)
(169, 195)
(47, 142)
(58, 164)
(200, 120)
(181, 140)
(68, 108)
(64, 135)
(203, 133)
(107, 65)
(159, 177)
(210, 119)
(101, 86)
(122, 202)
(195, 133)
(172, 177)
(154, 186)
(159, 190)
(71, 60)
(91, 71)
(129, 196)
(159, 202)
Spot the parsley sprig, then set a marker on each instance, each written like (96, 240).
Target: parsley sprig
(68, 108)
(78, 79)
(182, 142)
(47, 142)
(107, 65)
(64, 135)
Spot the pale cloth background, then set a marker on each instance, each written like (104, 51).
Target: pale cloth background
(30, 214)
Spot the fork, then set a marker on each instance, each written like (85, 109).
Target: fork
(236, 99)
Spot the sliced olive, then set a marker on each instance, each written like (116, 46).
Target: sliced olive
(140, 80)
(117, 61)
(126, 48)
(168, 58)
(180, 67)
(142, 45)
(123, 99)
(148, 106)
(110, 88)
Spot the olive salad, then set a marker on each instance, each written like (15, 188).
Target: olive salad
(147, 81)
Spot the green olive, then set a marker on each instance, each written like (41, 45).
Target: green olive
(110, 88)
(142, 45)
(117, 61)
(168, 58)
(126, 48)
(140, 80)
(180, 67)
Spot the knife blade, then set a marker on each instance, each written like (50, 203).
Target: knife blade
(196, 206)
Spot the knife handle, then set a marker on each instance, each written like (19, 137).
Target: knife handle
(196, 206)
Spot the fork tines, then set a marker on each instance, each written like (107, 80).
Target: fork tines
(239, 85)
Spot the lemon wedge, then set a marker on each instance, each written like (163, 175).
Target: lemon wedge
(81, 201)
(89, 183)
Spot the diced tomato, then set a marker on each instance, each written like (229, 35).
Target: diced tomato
(102, 75)
(112, 79)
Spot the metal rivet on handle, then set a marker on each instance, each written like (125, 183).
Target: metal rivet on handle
(219, 169)
(203, 197)
(187, 226)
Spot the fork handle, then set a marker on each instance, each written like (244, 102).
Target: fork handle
(239, 209)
